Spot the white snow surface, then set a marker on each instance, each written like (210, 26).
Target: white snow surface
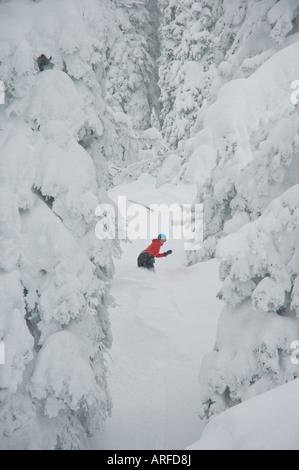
(163, 324)
(266, 422)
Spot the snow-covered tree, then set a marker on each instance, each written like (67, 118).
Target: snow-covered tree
(54, 271)
(152, 156)
(185, 40)
(245, 161)
(206, 44)
(132, 70)
(260, 271)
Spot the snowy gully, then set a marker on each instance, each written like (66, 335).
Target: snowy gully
(155, 459)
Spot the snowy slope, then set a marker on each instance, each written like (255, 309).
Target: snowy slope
(267, 422)
(163, 324)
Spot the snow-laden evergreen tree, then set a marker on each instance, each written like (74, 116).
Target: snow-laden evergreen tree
(216, 156)
(206, 43)
(132, 73)
(58, 138)
(185, 41)
(245, 161)
(260, 271)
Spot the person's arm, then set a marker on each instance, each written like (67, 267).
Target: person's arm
(163, 255)
(167, 253)
(156, 248)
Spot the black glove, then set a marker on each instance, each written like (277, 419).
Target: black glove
(168, 253)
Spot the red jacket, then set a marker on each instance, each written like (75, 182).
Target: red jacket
(154, 248)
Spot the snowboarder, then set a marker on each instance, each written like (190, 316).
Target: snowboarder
(146, 259)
